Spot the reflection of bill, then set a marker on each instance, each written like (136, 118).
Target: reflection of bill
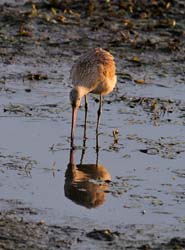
(86, 184)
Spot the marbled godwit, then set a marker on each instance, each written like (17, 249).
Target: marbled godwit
(94, 72)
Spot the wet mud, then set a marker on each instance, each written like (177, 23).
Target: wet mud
(129, 194)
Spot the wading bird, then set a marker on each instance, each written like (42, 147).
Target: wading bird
(94, 72)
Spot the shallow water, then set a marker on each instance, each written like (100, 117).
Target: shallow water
(145, 189)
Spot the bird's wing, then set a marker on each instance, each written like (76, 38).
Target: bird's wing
(86, 74)
(93, 69)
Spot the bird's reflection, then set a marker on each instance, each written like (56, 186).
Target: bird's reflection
(86, 184)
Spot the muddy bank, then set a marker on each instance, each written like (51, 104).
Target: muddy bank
(16, 233)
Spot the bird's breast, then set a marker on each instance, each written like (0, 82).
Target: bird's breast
(105, 87)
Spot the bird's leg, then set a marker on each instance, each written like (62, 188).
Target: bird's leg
(99, 114)
(85, 121)
(97, 143)
(85, 129)
(98, 122)
(97, 152)
(86, 103)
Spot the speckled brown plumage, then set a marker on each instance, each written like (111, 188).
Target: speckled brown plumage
(94, 72)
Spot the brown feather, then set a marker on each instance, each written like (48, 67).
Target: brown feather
(95, 72)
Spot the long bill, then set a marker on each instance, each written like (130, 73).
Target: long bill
(73, 125)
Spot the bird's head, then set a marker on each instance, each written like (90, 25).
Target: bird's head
(75, 98)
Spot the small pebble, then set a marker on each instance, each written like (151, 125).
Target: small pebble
(143, 212)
